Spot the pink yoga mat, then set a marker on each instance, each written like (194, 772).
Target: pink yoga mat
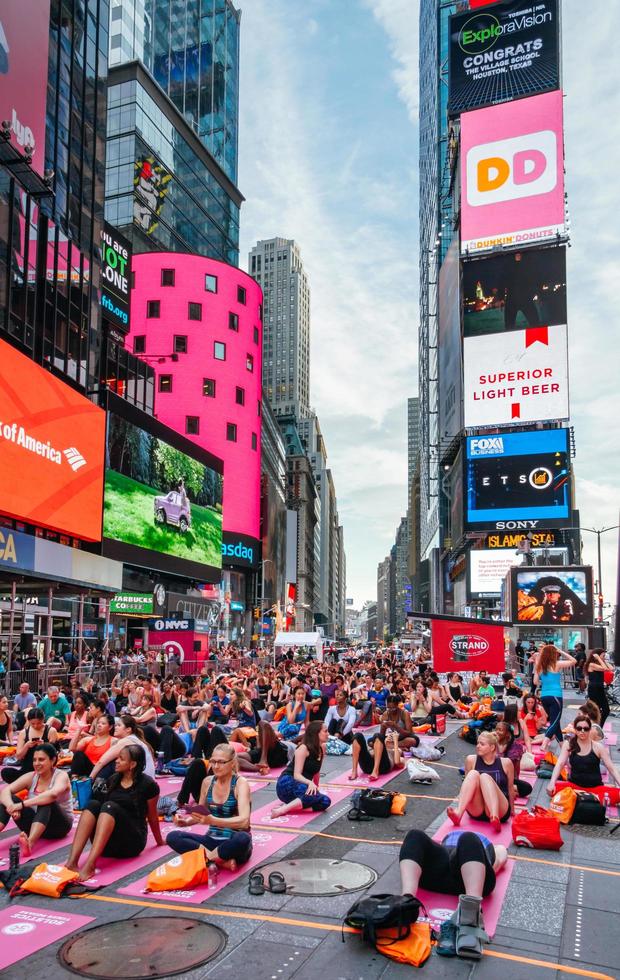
(25, 930)
(440, 907)
(363, 780)
(480, 827)
(41, 848)
(298, 818)
(266, 843)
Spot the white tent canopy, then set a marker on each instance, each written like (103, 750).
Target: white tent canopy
(301, 640)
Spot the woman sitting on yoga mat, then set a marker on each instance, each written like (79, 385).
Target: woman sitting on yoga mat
(116, 821)
(47, 810)
(464, 864)
(396, 719)
(224, 804)
(510, 748)
(88, 749)
(127, 732)
(383, 755)
(488, 788)
(31, 736)
(298, 786)
(584, 757)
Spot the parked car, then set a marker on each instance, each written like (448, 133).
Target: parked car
(173, 509)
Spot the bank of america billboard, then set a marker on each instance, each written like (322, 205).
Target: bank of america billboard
(503, 53)
(512, 174)
(516, 377)
(518, 481)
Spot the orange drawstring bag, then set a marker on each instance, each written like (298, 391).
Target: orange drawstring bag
(49, 879)
(399, 805)
(415, 949)
(563, 804)
(182, 871)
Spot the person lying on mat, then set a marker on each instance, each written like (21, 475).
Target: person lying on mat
(298, 785)
(263, 753)
(584, 757)
(116, 821)
(464, 864)
(381, 757)
(225, 811)
(47, 810)
(488, 789)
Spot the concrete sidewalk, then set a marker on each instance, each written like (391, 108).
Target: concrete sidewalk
(561, 912)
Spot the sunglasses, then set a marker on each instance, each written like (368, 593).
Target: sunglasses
(582, 728)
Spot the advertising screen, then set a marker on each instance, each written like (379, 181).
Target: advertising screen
(163, 496)
(487, 569)
(514, 291)
(512, 174)
(467, 644)
(51, 450)
(518, 481)
(450, 385)
(24, 43)
(115, 277)
(516, 377)
(503, 54)
(549, 595)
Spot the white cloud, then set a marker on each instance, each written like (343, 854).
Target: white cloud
(399, 21)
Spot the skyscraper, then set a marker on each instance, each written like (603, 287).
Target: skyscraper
(413, 439)
(276, 264)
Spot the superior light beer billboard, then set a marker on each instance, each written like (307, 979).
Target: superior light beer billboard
(24, 44)
(548, 596)
(514, 290)
(516, 377)
(503, 54)
(518, 481)
(512, 174)
(51, 450)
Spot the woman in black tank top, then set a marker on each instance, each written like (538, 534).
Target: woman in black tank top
(298, 786)
(584, 757)
(488, 790)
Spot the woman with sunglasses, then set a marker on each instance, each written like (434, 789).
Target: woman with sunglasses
(224, 809)
(584, 757)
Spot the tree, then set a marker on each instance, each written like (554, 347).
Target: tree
(173, 466)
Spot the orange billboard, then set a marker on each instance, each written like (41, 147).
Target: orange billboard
(51, 450)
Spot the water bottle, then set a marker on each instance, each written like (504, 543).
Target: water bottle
(14, 855)
(213, 874)
(159, 765)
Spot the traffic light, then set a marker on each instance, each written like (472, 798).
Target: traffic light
(256, 612)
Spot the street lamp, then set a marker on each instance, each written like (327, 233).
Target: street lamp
(598, 532)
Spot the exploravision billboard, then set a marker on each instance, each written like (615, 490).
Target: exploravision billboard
(502, 54)
(51, 450)
(512, 174)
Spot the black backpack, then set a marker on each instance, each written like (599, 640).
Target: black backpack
(589, 810)
(376, 802)
(383, 912)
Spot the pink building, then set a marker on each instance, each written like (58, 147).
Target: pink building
(198, 322)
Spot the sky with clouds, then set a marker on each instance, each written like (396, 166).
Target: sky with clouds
(328, 156)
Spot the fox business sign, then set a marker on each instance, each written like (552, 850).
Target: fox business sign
(518, 481)
(512, 174)
(502, 54)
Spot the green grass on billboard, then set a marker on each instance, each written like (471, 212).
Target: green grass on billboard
(129, 517)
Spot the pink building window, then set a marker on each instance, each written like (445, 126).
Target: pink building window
(249, 362)
(231, 431)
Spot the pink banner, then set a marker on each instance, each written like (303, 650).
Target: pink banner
(24, 42)
(512, 185)
(25, 930)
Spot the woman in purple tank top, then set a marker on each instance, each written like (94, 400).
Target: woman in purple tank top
(488, 790)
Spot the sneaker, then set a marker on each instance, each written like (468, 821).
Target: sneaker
(446, 945)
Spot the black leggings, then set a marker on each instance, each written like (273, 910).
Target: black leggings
(10, 773)
(600, 699)
(128, 839)
(442, 709)
(165, 740)
(334, 729)
(192, 781)
(56, 822)
(206, 740)
(441, 866)
(366, 760)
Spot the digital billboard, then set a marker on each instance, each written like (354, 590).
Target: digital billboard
(518, 481)
(516, 377)
(512, 174)
(503, 54)
(514, 290)
(467, 644)
(487, 569)
(51, 450)
(115, 277)
(552, 595)
(450, 385)
(163, 497)
(24, 44)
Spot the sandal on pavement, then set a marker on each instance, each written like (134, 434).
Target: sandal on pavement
(446, 944)
(256, 884)
(277, 883)
(470, 933)
(356, 814)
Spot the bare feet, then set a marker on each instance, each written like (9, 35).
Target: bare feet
(372, 778)
(352, 776)
(230, 865)
(71, 866)
(24, 843)
(495, 823)
(453, 816)
(88, 871)
(276, 812)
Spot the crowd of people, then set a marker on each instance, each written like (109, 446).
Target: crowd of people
(213, 727)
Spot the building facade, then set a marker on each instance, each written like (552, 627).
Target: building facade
(273, 510)
(413, 439)
(277, 266)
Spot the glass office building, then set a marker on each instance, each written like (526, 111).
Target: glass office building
(164, 190)
(191, 48)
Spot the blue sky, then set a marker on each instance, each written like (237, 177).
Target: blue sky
(328, 156)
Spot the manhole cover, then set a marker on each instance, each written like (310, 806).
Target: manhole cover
(321, 876)
(151, 946)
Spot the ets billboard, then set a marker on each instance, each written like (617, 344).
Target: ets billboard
(512, 174)
(518, 481)
(503, 54)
